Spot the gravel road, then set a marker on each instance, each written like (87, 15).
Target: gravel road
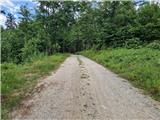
(83, 90)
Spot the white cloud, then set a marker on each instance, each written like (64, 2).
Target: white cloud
(13, 6)
(2, 19)
(9, 5)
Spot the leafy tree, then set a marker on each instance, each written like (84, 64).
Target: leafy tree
(10, 22)
(67, 26)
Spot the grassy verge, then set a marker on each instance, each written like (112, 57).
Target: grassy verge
(141, 66)
(18, 81)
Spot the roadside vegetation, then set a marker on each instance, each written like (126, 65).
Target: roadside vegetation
(19, 80)
(140, 66)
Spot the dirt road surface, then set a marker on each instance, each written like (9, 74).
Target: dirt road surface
(84, 90)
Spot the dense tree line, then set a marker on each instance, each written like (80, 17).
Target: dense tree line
(66, 26)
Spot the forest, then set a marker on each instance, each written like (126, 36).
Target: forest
(66, 26)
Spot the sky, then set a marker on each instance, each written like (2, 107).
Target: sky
(13, 6)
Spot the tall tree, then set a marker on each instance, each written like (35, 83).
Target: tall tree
(10, 22)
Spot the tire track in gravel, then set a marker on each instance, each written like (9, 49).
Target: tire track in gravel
(89, 106)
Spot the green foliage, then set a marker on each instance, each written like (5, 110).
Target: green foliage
(10, 23)
(56, 47)
(19, 80)
(11, 46)
(141, 66)
(132, 43)
(67, 26)
(154, 45)
(30, 49)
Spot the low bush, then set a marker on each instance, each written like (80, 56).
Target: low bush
(132, 43)
(154, 45)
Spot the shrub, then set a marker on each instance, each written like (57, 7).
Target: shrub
(154, 45)
(132, 43)
(30, 49)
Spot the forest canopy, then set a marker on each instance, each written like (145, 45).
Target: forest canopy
(67, 26)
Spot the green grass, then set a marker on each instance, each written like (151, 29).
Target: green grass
(140, 66)
(18, 81)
